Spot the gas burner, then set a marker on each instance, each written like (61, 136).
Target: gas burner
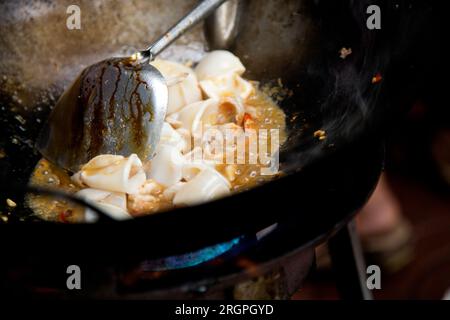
(192, 258)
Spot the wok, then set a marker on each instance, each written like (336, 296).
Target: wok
(297, 41)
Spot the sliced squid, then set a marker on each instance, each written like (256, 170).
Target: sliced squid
(205, 186)
(218, 63)
(227, 85)
(187, 138)
(190, 117)
(166, 166)
(112, 173)
(192, 168)
(196, 116)
(195, 155)
(170, 192)
(170, 136)
(182, 83)
(231, 110)
(113, 204)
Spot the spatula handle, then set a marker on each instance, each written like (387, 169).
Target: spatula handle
(200, 12)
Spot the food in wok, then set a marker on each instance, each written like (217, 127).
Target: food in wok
(221, 135)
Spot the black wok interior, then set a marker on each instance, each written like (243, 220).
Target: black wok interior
(297, 41)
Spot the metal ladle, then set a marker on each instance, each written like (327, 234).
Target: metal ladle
(116, 106)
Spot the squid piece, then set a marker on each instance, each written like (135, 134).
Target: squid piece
(205, 186)
(219, 74)
(112, 173)
(230, 110)
(182, 83)
(170, 136)
(190, 117)
(222, 145)
(166, 166)
(170, 192)
(209, 112)
(228, 85)
(113, 204)
(218, 63)
(192, 168)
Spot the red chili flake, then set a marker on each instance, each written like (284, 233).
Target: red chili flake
(377, 78)
(63, 215)
(248, 120)
(247, 117)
